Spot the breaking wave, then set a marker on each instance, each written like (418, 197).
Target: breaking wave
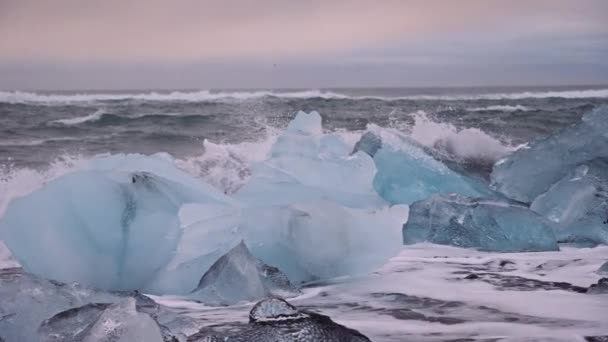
(211, 96)
(500, 108)
(78, 120)
(465, 143)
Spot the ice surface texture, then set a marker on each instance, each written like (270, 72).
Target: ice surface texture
(275, 320)
(239, 276)
(305, 165)
(531, 171)
(60, 310)
(110, 229)
(578, 204)
(485, 224)
(408, 174)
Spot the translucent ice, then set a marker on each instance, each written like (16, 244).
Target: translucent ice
(306, 165)
(121, 322)
(484, 224)
(239, 276)
(578, 204)
(275, 320)
(26, 301)
(409, 174)
(307, 241)
(107, 227)
(6, 258)
(531, 171)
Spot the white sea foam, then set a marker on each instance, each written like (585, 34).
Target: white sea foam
(500, 108)
(210, 96)
(81, 119)
(466, 143)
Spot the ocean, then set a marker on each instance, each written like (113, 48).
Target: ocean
(217, 135)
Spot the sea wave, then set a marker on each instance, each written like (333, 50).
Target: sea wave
(212, 96)
(81, 119)
(500, 108)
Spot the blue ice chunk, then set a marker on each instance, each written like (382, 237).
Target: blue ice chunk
(531, 171)
(305, 165)
(239, 276)
(307, 241)
(108, 227)
(28, 302)
(485, 224)
(410, 174)
(578, 205)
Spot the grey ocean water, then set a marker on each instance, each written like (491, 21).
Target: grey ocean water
(37, 127)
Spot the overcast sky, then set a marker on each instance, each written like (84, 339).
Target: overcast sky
(144, 44)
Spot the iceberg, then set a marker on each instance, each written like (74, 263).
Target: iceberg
(530, 172)
(485, 224)
(305, 165)
(278, 321)
(109, 227)
(578, 204)
(239, 276)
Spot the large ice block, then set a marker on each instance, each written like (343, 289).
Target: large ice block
(531, 171)
(305, 165)
(409, 174)
(107, 227)
(307, 241)
(578, 204)
(485, 224)
(239, 276)
(121, 322)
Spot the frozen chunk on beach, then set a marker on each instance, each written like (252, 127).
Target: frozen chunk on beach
(409, 174)
(239, 276)
(531, 171)
(26, 301)
(109, 228)
(306, 165)
(603, 269)
(121, 322)
(276, 320)
(485, 224)
(306, 241)
(578, 205)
